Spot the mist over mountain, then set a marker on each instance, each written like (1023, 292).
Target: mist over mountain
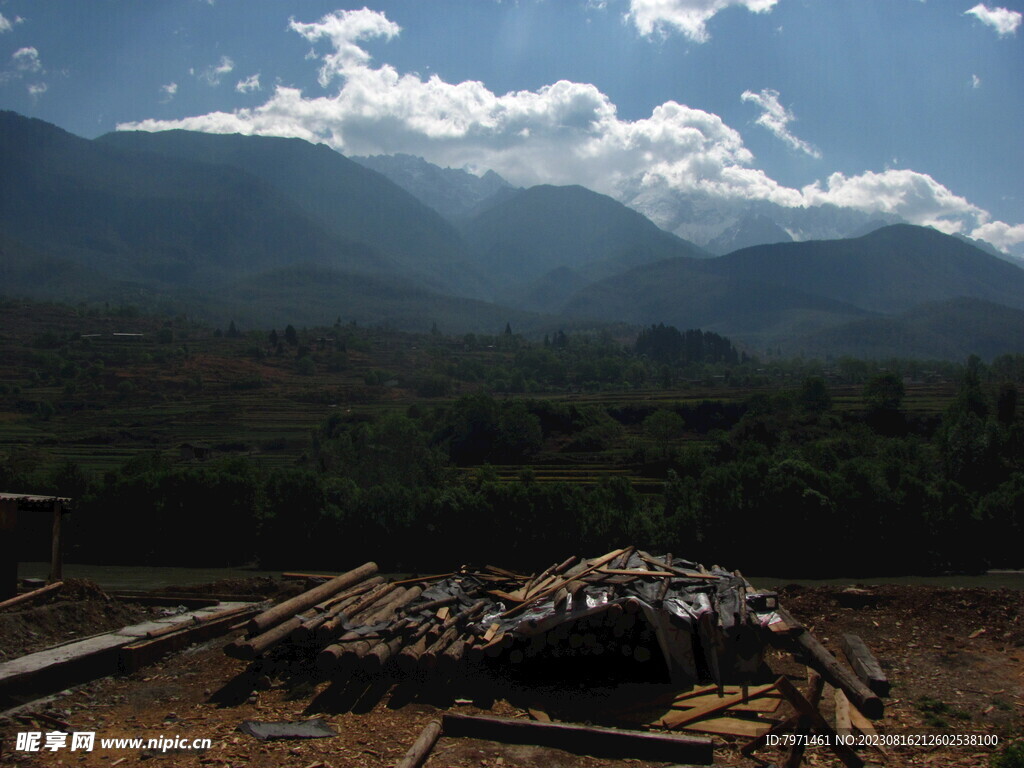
(715, 222)
(452, 192)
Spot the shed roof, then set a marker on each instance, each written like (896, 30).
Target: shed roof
(36, 502)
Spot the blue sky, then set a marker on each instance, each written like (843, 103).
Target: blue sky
(907, 106)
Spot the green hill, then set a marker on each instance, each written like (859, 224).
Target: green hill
(946, 330)
(889, 270)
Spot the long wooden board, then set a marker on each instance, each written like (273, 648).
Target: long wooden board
(585, 740)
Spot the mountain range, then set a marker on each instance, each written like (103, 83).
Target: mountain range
(267, 231)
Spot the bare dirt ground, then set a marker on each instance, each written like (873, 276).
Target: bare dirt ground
(955, 658)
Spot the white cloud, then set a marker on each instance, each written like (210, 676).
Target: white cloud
(776, 118)
(36, 89)
(212, 75)
(975, 81)
(5, 25)
(27, 60)
(563, 133)
(1002, 20)
(916, 197)
(249, 84)
(344, 29)
(690, 17)
(1002, 235)
(169, 91)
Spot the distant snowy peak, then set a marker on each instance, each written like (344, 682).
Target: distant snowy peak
(721, 225)
(452, 192)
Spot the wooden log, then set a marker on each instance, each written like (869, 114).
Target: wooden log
(362, 611)
(428, 659)
(566, 564)
(583, 740)
(307, 630)
(256, 646)
(420, 750)
(329, 658)
(805, 709)
(409, 657)
(432, 605)
(816, 656)
(310, 597)
(815, 687)
(448, 662)
(29, 596)
(381, 653)
(865, 664)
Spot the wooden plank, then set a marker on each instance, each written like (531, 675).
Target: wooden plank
(760, 704)
(679, 718)
(731, 726)
(554, 588)
(584, 740)
(865, 664)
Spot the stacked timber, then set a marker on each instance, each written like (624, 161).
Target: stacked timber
(626, 606)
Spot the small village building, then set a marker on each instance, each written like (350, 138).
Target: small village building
(11, 506)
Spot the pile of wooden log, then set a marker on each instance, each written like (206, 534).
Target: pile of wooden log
(626, 605)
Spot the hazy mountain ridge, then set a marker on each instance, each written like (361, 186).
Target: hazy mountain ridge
(346, 199)
(278, 230)
(452, 192)
(545, 227)
(889, 270)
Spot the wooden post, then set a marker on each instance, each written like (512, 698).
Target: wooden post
(56, 545)
(8, 549)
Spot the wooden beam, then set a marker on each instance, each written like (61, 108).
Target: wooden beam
(815, 687)
(554, 588)
(584, 740)
(818, 657)
(420, 750)
(865, 664)
(803, 707)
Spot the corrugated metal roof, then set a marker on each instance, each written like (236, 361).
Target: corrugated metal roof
(34, 501)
